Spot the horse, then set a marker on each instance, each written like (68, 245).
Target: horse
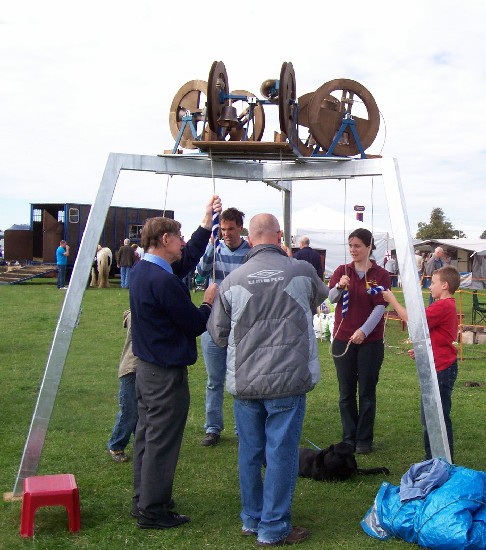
(104, 257)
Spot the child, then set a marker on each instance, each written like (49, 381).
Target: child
(127, 417)
(441, 318)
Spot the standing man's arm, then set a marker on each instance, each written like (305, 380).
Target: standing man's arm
(196, 245)
(219, 323)
(205, 265)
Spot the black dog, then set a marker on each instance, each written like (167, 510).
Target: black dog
(336, 463)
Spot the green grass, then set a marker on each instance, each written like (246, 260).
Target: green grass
(206, 485)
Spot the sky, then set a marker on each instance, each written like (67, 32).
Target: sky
(81, 80)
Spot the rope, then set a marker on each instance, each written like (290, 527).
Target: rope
(215, 229)
(344, 352)
(313, 444)
(282, 195)
(372, 206)
(166, 192)
(345, 294)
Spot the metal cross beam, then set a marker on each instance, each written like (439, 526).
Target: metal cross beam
(279, 175)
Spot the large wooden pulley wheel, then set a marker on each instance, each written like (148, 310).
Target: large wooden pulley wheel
(257, 124)
(217, 87)
(287, 111)
(188, 100)
(326, 115)
(306, 142)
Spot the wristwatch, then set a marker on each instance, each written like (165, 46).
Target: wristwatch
(338, 287)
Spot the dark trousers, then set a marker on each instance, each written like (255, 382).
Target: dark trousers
(163, 404)
(446, 379)
(358, 371)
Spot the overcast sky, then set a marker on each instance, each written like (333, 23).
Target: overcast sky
(82, 79)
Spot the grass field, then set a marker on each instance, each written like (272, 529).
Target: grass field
(206, 485)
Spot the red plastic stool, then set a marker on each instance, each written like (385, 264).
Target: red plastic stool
(54, 490)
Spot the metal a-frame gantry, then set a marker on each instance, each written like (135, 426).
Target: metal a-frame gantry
(279, 175)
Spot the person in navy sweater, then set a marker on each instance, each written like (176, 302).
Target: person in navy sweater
(165, 324)
(310, 255)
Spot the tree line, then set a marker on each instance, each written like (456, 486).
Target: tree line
(439, 227)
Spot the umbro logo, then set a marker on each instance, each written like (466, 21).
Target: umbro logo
(265, 276)
(265, 273)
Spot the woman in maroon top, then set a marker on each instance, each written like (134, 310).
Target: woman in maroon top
(358, 347)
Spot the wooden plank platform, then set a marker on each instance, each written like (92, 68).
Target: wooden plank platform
(15, 275)
(248, 149)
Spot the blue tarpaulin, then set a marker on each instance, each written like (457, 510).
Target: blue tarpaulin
(450, 517)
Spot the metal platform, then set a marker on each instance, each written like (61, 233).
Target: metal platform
(280, 175)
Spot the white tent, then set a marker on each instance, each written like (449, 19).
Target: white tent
(328, 230)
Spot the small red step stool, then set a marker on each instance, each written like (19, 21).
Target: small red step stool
(53, 490)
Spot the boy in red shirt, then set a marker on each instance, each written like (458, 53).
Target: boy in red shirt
(441, 318)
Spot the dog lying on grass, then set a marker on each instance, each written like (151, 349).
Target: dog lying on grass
(336, 463)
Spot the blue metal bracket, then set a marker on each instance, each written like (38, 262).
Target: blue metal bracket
(347, 121)
(187, 119)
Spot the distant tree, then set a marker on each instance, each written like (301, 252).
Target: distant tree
(483, 235)
(439, 227)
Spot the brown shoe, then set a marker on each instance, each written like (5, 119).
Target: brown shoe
(119, 456)
(298, 534)
(210, 439)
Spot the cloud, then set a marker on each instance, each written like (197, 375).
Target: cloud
(80, 81)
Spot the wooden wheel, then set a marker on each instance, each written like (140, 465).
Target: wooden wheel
(217, 85)
(188, 99)
(306, 145)
(326, 114)
(286, 101)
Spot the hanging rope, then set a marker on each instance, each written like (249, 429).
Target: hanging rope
(166, 192)
(286, 242)
(344, 352)
(345, 294)
(215, 228)
(372, 205)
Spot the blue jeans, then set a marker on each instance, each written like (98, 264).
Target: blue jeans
(61, 275)
(215, 361)
(445, 379)
(358, 372)
(125, 277)
(268, 430)
(126, 419)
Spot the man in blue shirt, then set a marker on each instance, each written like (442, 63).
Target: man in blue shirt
(216, 266)
(165, 324)
(62, 254)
